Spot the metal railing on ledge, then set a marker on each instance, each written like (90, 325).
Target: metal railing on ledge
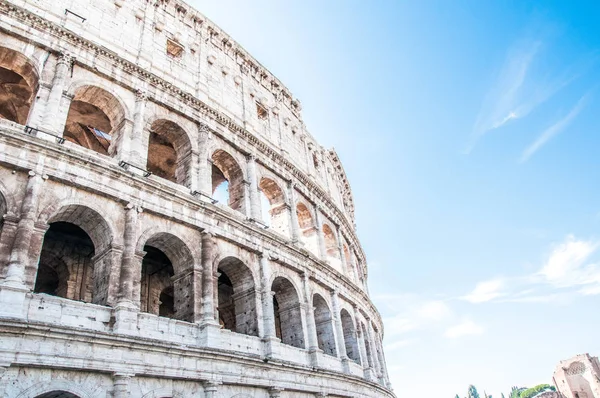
(202, 196)
(140, 170)
(35, 131)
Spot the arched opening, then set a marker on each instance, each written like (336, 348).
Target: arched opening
(288, 314)
(227, 172)
(324, 325)
(349, 336)
(95, 120)
(237, 297)
(18, 85)
(157, 285)
(308, 230)
(169, 152)
(331, 247)
(68, 264)
(162, 292)
(274, 207)
(57, 394)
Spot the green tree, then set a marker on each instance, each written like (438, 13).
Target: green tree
(472, 392)
(502, 395)
(533, 391)
(515, 392)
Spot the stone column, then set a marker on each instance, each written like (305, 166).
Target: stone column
(320, 236)
(210, 389)
(204, 163)
(384, 374)
(121, 385)
(7, 238)
(294, 225)
(128, 298)
(313, 342)
(374, 359)
(254, 199)
(19, 256)
(209, 254)
(51, 120)
(147, 35)
(360, 341)
(129, 262)
(3, 378)
(267, 297)
(339, 331)
(136, 150)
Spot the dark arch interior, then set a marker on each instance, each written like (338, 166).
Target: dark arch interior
(156, 285)
(15, 96)
(65, 268)
(169, 152)
(287, 313)
(57, 394)
(237, 297)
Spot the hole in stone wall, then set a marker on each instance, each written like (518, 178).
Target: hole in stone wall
(65, 268)
(226, 169)
(288, 312)
(324, 326)
(237, 297)
(350, 336)
(18, 85)
(261, 112)
(169, 152)
(94, 120)
(156, 284)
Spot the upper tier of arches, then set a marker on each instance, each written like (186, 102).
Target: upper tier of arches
(90, 112)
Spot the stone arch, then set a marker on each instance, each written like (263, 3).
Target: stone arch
(170, 151)
(350, 341)
(287, 312)
(324, 325)
(236, 297)
(96, 118)
(19, 82)
(227, 170)
(275, 212)
(41, 389)
(74, 247)
(165, 285)
(308, 228)
(331, 246)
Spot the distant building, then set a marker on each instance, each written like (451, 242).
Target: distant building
(578, 377)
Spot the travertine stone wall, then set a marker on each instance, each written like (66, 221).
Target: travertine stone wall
(121, 274)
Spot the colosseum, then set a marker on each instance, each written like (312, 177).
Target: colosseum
(170, 228)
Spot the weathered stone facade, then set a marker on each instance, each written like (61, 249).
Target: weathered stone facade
(578, 377)
(120, 274)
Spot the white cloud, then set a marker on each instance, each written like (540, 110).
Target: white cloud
(565, 273)
(486, 291)
(465, 328)
(553, 130)
(434, 310)
(565, 264)
(516, 92)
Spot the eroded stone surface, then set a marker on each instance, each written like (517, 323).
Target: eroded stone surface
(119, 274)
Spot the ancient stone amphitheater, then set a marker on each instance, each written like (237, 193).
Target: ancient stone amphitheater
(170, 228)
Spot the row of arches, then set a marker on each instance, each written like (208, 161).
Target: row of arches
(76, 261)
(97, 120)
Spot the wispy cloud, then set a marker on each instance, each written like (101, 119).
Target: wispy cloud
(516, 91)
(555, 129)
(465, 328)
(566, 273)
(486, 291)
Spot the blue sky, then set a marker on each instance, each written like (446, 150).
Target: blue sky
(469, 133)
